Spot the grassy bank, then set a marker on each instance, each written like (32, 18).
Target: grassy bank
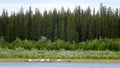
(92, 50)
(12, 60)
(61, 60)
(59, 54)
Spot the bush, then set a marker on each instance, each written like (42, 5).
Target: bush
(43, 43)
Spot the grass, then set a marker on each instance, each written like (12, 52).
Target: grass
(62, 60)
(59, 54)
(12, 60)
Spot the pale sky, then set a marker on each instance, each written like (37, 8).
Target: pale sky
(15, 5)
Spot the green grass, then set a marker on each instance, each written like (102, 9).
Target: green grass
(58, 54)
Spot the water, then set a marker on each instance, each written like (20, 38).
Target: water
(57, 65)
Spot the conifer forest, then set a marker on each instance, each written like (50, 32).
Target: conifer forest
(71, 27)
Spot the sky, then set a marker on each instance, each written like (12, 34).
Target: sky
(15, 5)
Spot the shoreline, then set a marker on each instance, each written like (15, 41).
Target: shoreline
(57, 60)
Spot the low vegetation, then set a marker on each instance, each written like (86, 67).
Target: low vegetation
(58, 54)
(92, 49)
(44, 44)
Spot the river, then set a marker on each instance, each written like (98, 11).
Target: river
(57, 65)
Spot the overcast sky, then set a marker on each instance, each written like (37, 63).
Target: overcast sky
(15, 5)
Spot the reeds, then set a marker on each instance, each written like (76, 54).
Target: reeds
(58, 54)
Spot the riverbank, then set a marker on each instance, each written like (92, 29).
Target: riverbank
(59, 54)
(57, 60)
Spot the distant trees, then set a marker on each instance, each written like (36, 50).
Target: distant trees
(4, 21)
(79, 25)
(21, 28)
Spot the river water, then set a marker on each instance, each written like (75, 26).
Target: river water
(57, 65)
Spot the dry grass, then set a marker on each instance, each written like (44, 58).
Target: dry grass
(61, 60)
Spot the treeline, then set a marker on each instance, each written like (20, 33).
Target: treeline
(79, 25)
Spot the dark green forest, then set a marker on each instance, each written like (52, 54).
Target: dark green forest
(79, 25)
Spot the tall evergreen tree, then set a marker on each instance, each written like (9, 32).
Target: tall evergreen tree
(72, 34)
(11, 30)
(36, 25)
(20, 24)
(4, 24)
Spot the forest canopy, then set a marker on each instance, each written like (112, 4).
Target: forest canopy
(79, 25)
